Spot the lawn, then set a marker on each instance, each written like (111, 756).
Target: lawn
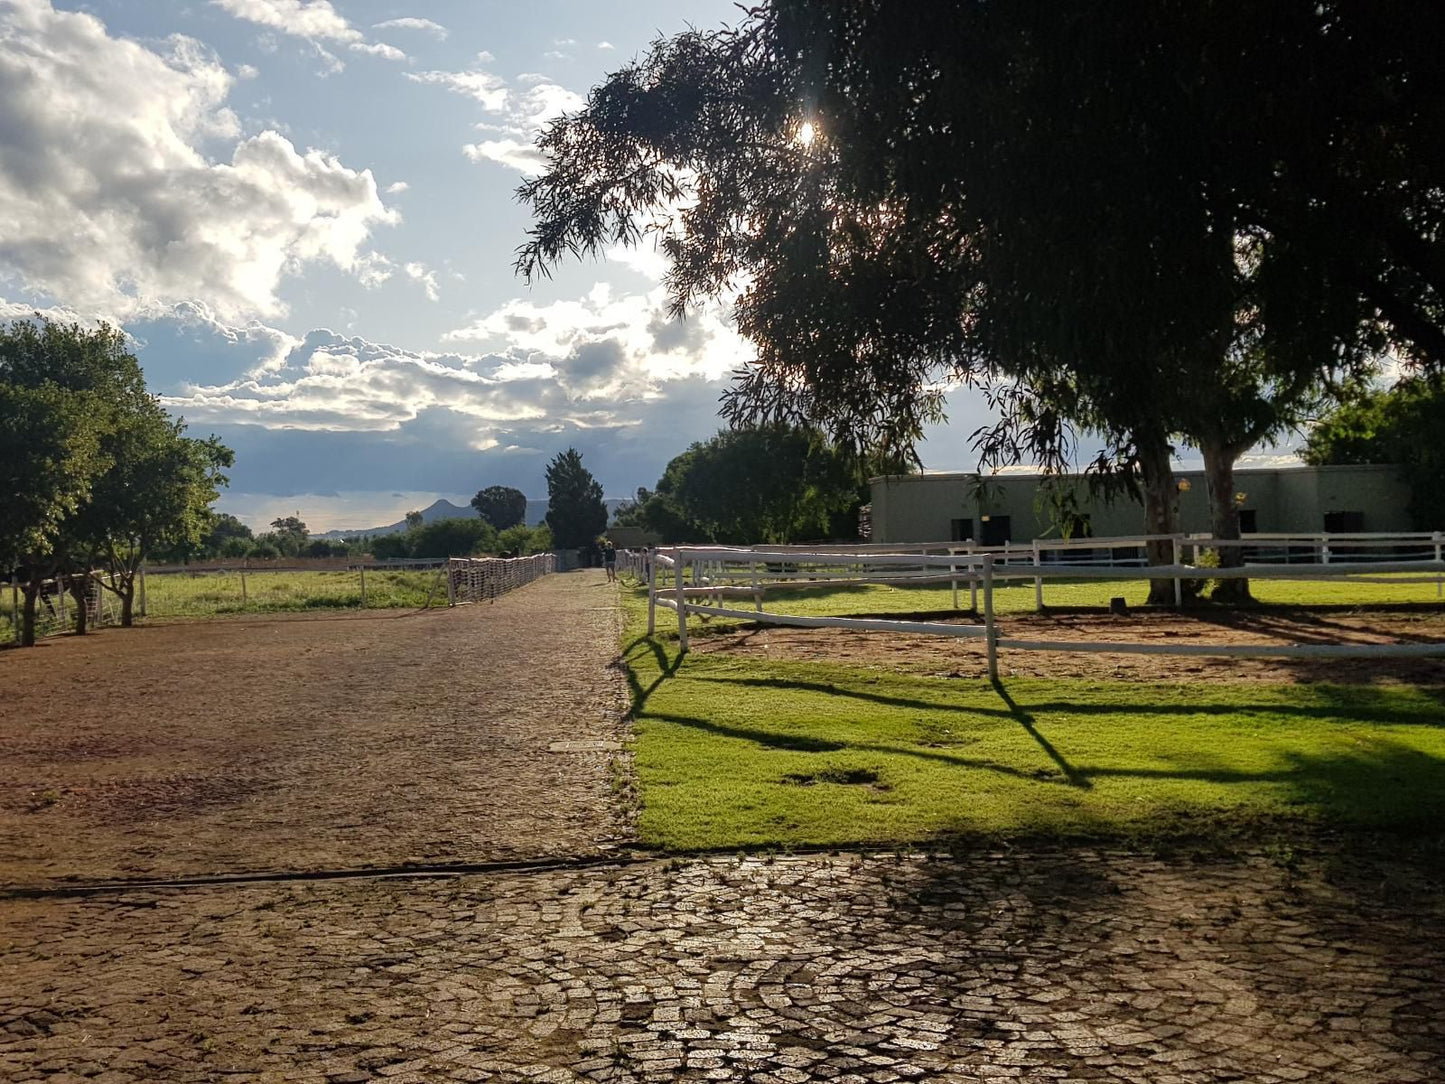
(732, 753)
(209, 594)
(1018, 597)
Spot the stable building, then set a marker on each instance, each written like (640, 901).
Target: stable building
(992, 509)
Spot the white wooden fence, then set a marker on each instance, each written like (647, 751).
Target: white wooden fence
(699, 580)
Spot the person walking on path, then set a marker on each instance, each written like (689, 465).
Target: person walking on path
(609, 559)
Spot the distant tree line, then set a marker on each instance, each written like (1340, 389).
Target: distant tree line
(95, 474)
(768, 483)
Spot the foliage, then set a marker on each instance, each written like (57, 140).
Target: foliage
(452, 537)
(1404, 425)
(501, 506)
(1139, 222)
(575, 512)
(414, 518)
(758, 484)
(102, 474)
(520, 540)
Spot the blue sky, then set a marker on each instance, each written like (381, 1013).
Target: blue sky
(303, 213)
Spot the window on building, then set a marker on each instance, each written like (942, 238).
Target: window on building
(996, 531)
(1344, 522)
(1248, 521)
(960, 530)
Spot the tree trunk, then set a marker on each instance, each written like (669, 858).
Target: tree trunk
(1224, 516)
(78, 588)
(31, 591)
(1160, 510)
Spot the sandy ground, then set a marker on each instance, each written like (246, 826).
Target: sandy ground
(285, 743)
(965, 658)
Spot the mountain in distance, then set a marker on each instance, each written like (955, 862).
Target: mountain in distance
(444, 509)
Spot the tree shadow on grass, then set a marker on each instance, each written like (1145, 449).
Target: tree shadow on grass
(666, 667)
(1361, 703)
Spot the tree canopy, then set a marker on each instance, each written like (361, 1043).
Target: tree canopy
(756, 485)
(1403, 425)
(101, 475)
(1175, 220)
(575, 512)
(501, 506)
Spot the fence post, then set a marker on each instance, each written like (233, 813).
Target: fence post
(953, 572)
(143, 590)
(451, 585)
(1439, 539)
(15, 605)
(1038, 581)
(1324, 549)
(363, 587)
(681, 602)
(1178, 548)
(243, 586)
(651, 590)
(60, 598)
(757, 592)
(990, 633)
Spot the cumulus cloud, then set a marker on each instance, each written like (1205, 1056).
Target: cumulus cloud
(426, 26)
(488, 89)
(109, 202)
(605, 45)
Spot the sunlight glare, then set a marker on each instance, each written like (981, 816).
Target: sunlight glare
(806, 132)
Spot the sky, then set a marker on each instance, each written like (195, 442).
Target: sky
(303, 212)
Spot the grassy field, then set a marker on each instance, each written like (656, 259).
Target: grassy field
(774, 754)
(1019, 597)
(212, 593)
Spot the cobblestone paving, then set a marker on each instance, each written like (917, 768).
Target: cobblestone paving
(1033, 965)
(286, 743)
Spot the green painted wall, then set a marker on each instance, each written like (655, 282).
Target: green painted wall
(922, 508)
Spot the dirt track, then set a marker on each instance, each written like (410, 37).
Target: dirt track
(1267, 625)
(285, 743)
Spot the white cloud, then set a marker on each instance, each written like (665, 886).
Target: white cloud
(377, 48)
(605, 45)
(418, 272)
(302, 18)
(316, 21)
(408, 23)
(109, 202)
(247, 71)
(486, 57)
(520, 113)
(513, 153)
(396, 188)
(488, 89)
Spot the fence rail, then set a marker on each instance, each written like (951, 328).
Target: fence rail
(698, 579)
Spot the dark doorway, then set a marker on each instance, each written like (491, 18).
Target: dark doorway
(960, 530)
(996, 530)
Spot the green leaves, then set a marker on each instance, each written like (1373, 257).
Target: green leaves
(575, 512)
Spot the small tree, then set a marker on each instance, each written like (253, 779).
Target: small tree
(501, 506)
(575, 512)
(1404, 425)
(414, 519)
(290, 535)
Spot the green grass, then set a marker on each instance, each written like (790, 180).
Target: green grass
(756, 753)
(213, 593)
(1019, 598)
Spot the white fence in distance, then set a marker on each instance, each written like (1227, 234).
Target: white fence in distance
(702, 577)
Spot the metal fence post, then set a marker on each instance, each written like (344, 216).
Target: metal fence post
(681, 602)
(243, 586)
(990, 634)
(363, 586)
(651, 590)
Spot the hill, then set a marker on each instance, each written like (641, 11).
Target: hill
(445, 509)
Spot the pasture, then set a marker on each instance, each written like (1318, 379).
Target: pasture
(771, 737)
(214, 594)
